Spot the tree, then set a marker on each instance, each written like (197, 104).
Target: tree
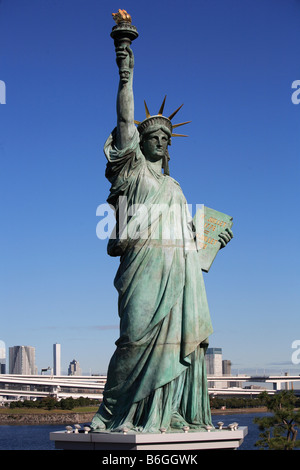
(279, 431)
(49, 403)
(67, 403)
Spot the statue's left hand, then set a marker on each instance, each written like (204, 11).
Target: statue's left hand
(225, 237)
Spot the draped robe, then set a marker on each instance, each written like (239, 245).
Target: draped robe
(157, 372)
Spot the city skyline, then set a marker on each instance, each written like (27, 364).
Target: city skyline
(235, 68)
(15, 365)
(53, 369)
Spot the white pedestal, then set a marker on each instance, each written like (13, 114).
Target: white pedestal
(173, 441)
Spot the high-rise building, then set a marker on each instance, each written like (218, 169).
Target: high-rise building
(213, 360)
(2, 357)
(57, 359)
(226, 367)
(22, 360)
(74, 368)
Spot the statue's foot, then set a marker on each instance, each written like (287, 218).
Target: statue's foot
(125, 427)
(177, 421)
(97, 424)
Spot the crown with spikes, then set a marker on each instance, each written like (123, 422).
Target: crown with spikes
(160, 120)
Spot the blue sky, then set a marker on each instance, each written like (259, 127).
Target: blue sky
(232, 63)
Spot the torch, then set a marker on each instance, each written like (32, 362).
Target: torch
(123, 33)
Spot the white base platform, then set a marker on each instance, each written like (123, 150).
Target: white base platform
(173, 441)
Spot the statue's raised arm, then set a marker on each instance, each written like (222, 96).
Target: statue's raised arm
(123, 34)
(125, 101)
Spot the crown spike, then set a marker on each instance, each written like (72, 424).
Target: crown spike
(180, 124)
(137, 122)
(147, 110)
(179, 135)
(162, 107)
(175, 112)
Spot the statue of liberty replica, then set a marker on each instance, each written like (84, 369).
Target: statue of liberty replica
(156, 377)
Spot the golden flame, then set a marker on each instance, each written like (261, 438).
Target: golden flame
(122, 15)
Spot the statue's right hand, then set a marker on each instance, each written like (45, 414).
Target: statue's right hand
(122, 52)
(131, 57)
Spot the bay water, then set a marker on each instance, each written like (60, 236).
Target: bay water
(36, 437)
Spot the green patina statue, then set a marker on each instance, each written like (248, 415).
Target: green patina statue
(156, 377)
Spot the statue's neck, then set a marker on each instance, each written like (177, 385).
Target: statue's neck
(156, 166)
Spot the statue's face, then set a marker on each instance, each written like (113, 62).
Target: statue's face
(154, 145)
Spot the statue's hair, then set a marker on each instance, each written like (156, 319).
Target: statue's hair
(153, 123)
(165, 163)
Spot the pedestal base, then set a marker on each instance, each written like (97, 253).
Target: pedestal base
(177, 441)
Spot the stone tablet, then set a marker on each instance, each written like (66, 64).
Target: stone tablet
(208, 224)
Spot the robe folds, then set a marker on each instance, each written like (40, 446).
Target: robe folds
(157, 372)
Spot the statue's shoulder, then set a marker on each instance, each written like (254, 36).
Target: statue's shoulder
(172, 180)
(111, 151)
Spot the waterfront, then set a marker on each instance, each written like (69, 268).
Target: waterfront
(36, 437)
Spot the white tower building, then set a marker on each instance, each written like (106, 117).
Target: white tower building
(56, 359)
